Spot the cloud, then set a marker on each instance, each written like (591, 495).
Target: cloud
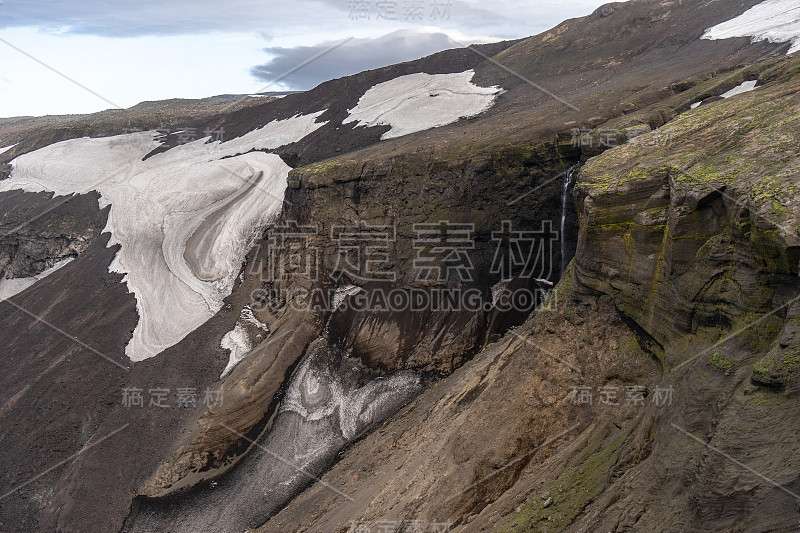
(124, 18)
(154, 49)
(352, 57)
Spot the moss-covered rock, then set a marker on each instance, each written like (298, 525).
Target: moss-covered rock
(688, 220)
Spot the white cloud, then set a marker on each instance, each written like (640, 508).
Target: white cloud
(123, 18)
(150, 49)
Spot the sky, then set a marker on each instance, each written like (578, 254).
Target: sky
(82, 56)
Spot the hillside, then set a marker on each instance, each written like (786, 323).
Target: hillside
(538, 285)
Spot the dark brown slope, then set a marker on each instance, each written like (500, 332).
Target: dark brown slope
(92, 298)
(64, 371)
(93, 492)
(623, 57)
(336, 97)
(586, 71)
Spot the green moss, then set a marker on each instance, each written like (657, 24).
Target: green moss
(762, 399)
(768, 245)
(779, 208)
(763, 335)
(721, 362)
(635, 174)
(657, 211)
(580, 483)
(711, 172)
(791, 359)
(774, 191)
(762, 366)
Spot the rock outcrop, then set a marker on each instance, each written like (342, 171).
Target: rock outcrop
(62, 227)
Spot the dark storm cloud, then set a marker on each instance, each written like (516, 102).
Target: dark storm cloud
(352, 57)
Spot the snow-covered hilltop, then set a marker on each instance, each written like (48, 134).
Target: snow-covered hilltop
(418, 102)
(184, 219)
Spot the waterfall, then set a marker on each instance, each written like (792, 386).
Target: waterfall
(564, 194)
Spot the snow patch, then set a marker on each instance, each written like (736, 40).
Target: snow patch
(276, 133)
(12, 287)
(739, 89)
(5, 149)
(776, 21)
(318, 392)
(418, 102)
(184, 218)
(498, 289)
(343, 292)
(237, 341)
(248, 317)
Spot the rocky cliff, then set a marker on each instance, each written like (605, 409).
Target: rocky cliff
(684, 288)
(653, 389)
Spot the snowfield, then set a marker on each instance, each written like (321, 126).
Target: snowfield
(418, 102)
(745, 87)
(237, 342)
(184, 218)
(776, 21)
